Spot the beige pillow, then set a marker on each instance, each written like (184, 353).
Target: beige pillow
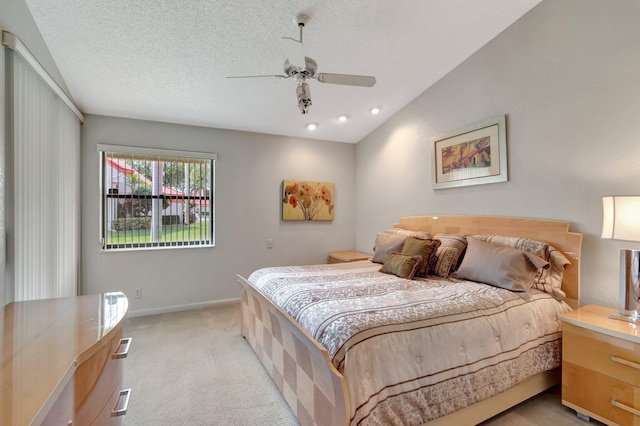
(401, 265)
(426, 249)
(416, 234)
(448, 254)
(385, 244)
(406, 234)
(548, 280)
(501, 266)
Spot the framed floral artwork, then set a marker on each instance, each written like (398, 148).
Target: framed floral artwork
(305, 200)
(473, 155)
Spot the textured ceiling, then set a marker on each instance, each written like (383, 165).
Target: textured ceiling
(166, 60)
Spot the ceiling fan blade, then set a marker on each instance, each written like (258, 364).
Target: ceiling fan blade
(348, 80)
(259, 76)
(294, 52)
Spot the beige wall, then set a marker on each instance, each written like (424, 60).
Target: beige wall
(249, 174)
(566, 75)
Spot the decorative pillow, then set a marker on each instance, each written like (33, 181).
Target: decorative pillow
(416, 234)
(426, 249)
(547, 280)
(501, 266)
(401, 265)
(406, 234)
(385, 244)
(449, 254)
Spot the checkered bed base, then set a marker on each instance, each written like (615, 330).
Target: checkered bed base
(302, 371)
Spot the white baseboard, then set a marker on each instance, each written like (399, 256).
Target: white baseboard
(179, 308)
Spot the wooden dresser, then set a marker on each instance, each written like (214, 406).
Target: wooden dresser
(62, 361)
(601, 366)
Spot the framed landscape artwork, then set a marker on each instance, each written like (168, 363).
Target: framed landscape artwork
(305, 200)
(471, 156)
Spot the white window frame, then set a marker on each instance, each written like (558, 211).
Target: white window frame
(164, 155)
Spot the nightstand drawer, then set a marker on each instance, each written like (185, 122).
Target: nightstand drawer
(591, 393)
(614, 357)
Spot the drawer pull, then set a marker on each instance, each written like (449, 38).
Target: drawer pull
(124, 344)
(625, 362)
(625, 407)
(124, 397)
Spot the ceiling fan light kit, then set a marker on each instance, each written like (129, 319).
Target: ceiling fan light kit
(304, 97)
(301, 68)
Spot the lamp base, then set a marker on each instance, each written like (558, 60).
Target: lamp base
(633, 318)
(629, 302)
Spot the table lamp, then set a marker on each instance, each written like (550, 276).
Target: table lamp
(621, 221)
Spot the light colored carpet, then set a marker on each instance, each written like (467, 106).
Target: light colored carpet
(194, 368)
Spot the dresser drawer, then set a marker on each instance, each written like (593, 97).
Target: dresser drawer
(106, 416)
(96, 381)
(608, 355)
(584, 388)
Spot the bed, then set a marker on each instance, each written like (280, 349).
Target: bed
(332, 370)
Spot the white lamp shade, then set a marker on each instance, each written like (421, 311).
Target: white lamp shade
(621, 218)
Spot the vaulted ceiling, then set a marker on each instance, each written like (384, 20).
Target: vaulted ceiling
(167, 60)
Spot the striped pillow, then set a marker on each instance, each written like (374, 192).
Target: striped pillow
(449, 254)
(401, 265)
(426, 249)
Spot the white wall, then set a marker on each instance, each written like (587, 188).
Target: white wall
(566, 75)
(16, 18)
(249, 173)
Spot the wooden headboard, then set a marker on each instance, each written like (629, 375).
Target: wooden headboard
(553, 232)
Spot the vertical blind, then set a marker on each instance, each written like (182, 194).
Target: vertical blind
(45, 148)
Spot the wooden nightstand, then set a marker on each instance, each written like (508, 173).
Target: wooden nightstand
(601, 366)
(347, 256)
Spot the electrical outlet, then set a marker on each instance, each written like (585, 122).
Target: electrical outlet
(138, 293)
(269, 243)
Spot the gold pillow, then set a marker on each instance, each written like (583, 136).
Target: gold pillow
(401, 265)
(426, 249)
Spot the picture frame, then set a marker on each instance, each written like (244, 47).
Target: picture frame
(473, 155)
(307, 200)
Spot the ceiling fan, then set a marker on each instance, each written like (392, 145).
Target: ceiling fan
(302, 68)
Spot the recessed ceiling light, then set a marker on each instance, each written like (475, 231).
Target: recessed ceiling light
(311, 126)
(342, 118)
(376, 109)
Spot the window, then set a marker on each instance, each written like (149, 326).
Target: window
(154, 198)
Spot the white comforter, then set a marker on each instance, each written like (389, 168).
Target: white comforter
(412, 351)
